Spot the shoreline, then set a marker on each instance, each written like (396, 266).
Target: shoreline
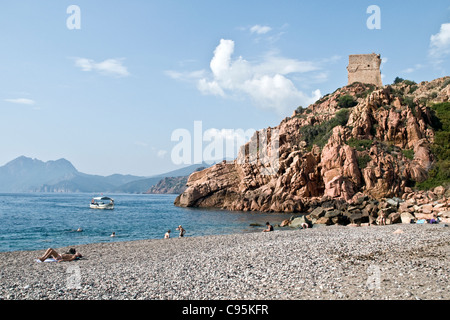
(117, 238)
(334, 262)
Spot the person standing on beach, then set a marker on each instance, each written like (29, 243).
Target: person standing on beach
(383, 218)
(182, 231)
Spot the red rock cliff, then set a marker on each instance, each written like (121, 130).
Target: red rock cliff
(377, 147)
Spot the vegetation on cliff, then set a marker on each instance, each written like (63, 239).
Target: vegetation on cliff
(320, 133)
(439, 173)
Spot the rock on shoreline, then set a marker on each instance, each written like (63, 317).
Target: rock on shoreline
(361, 210)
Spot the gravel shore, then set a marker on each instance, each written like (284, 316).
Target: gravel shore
(320, 263)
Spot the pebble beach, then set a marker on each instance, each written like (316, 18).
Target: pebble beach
(394, 262)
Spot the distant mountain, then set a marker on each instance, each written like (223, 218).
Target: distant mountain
(25, 174)
(32, 175)
(137, 186)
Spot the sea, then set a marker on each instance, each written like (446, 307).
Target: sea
(35, 221)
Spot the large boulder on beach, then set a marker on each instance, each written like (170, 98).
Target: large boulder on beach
(297, 222)
(444, 214)
(358, 218)
(332, 214)
(323, 220)
(406, 217)
(317, 213)
(394, 217)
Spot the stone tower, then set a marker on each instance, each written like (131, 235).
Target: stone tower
(364, 68)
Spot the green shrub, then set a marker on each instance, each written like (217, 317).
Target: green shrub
(365, 93)
(398, 80)
(373, 129)
(340, 118)
(302, 113)
(439, 174)
(409, 101)
(319, 134)
(409, 154)
(300, 110)
(323, 99)
(409, 82)
(359, 145)
(347, 101)
(446, 83)
(363, 161)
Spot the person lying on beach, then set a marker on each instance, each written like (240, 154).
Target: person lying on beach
(60, 257)
(182, 231)
(269, 227)
(167, 235)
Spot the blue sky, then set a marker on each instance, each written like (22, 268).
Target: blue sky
(109, 96)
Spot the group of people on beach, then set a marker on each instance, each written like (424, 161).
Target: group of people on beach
(180, 229)
(74, 255)
(166, 236)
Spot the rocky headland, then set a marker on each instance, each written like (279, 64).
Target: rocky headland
(354, 156)
(172, 185)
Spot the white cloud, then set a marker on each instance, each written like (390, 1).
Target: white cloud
(440, 43)
(409, 70)
(275, 64)
(265, 82)
(21, 101)
(113, 67)
(413, 69)
(211, 87)
(260, 29)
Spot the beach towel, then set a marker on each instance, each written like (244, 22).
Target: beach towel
(47, 260)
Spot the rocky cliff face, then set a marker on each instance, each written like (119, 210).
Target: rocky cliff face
(355, 141)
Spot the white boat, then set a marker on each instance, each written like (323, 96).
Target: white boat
(102, 203)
